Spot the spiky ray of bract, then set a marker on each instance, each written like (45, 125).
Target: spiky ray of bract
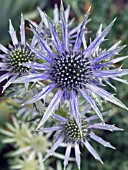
(75, 70)
(13, 57)
(56, 19)
(67, 131)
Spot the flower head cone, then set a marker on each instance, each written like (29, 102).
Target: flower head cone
(68, 132)
(14, 56)
(73, 70)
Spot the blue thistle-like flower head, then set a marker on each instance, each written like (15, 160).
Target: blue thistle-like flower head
(44, 28)
(75, 69)
(17, 54)
(69, 133)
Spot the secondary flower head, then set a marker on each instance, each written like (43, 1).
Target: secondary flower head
(26, 142)
(73, 70)
(13, 57)
(68, 132)
(56, 19)
(24, 138)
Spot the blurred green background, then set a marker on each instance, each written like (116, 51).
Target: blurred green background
(101, 12)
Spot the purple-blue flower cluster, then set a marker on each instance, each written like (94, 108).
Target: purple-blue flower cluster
(72, 70)
(69, 68)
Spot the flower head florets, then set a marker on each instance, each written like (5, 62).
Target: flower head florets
(70, 71)
(72, 132)
(18, 55)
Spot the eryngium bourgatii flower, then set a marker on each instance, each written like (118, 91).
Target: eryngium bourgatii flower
(68, 132)
(72, 30)
(73, 71)
(15, 55)
(25, 140)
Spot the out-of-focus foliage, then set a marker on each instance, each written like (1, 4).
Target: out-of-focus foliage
(101, 12)
(12, 9)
